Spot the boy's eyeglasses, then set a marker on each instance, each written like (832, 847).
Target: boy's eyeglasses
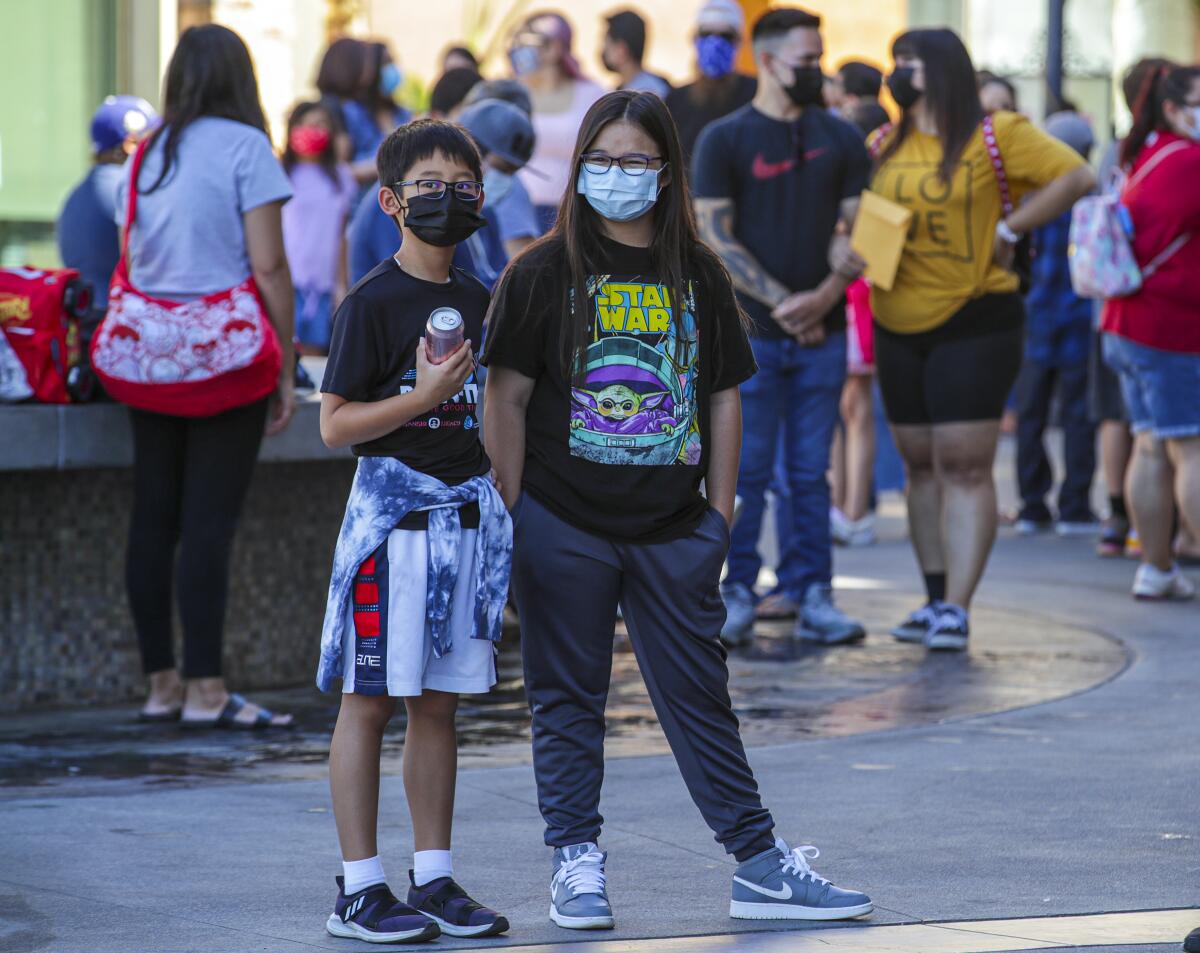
(634, 163)
(436, 188)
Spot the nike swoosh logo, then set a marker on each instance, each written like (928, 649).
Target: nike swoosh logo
(813, 153)
(762, 169)
(783, 893)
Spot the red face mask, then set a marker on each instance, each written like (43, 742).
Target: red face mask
(309, 141)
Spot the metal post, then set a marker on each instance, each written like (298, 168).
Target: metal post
(1054, 55)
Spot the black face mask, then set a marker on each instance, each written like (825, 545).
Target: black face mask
(442, 222)
(900, 83)
(807, 86)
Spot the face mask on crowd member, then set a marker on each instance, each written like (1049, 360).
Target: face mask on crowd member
(525, 58)
(390, 78)
(1183, 117)
(438, 201)
(907, 82)
(793, 61)
(715, 53)
(622, 174)
(506, 137)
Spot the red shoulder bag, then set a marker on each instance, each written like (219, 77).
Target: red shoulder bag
(183, 358)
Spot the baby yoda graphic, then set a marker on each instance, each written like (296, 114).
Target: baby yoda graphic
(619, 409)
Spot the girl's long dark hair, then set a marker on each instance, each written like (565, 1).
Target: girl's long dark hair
(951, 96)
(675, 249)
(1163, 84)
(328, 160)
(210, 74)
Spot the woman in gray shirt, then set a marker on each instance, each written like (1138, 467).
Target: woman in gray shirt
(209, 192)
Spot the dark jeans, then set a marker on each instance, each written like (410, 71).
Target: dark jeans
(567, 585)
(190, 476)
(1035, 391)
(789, 411)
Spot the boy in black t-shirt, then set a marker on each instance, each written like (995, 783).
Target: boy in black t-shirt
(416, 598)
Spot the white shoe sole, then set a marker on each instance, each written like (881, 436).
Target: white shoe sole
(945, 642)
(1169, 596)
(453, 929)
(744, 910)
(352, 931)
(580, 923)
(901, 634)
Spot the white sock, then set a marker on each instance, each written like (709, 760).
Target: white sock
(429, 865)
(361, 874)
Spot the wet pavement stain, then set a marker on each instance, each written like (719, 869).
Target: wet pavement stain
(782, 691)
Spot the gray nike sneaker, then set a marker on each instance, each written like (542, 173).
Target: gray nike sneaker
(739, 615)
(578, 889)
(823, 622)
(778, 884)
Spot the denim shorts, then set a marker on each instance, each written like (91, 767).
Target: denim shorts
(314, 318)
(1160, 387)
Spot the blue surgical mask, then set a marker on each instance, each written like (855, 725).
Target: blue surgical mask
(390, 78)
(525, 59)
(617, 195)
(1194, 133)
(715, 55)
(496, 185)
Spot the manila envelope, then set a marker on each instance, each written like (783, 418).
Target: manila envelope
(878, 236)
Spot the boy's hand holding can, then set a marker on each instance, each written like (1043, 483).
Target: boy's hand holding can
(439, 382)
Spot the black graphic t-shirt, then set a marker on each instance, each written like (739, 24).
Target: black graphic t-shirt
(621, 452)
(787, 181)
(373, 356)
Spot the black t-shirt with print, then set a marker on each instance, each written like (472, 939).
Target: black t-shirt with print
(620, 453)
(787, 181)
(373, 356)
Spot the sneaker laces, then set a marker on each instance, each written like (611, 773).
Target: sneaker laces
(795, 861)
(583, 874)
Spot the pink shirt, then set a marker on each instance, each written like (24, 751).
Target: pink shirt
(545, 177)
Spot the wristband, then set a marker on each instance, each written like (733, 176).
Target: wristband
(1004, 230)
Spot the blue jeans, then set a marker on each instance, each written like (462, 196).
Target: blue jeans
(796, 391)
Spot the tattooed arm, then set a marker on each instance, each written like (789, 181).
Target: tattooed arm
(715, 218)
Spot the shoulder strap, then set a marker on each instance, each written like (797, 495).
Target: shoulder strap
(876, 139)
(131, 200)
(1154, 161)
(993, 150)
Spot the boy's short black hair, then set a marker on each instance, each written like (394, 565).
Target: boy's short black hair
(452, 88)
(775, 23)
(421, 139)
(629, 28)
(861, 79)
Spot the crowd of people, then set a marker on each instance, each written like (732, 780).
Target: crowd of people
(661, 287)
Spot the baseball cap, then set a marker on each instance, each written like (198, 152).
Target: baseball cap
(500, 128)
(119, 117)
(1072, 129)
(508, 90)
(719, 15)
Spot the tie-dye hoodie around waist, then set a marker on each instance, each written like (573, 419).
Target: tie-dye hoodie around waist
(383, 493)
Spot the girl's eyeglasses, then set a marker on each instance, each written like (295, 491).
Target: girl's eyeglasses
(436, 188)
(634, 163)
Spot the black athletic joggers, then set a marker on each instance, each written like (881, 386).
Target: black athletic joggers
(567, 585)
(190, 476)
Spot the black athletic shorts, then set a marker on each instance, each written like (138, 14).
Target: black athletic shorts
(961, 370)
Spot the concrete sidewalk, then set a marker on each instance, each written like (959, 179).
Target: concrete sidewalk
(1082, 805)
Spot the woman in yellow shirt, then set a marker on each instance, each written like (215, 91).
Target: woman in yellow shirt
(949, 334)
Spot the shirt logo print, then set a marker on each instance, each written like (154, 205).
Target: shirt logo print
(763, 170)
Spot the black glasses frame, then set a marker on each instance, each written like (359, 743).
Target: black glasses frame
(632, 163)
(470, 194)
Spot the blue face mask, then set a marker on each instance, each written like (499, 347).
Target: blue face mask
(525, 59)
(496, 185)
(390, 78)
(617, 195)
(715, 55)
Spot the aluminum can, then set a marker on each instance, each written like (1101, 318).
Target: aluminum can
(443, 334)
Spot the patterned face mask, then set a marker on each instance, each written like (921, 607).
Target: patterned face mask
(715, 54)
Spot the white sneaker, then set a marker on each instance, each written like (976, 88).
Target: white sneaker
(840, 526)
(1152, 583)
